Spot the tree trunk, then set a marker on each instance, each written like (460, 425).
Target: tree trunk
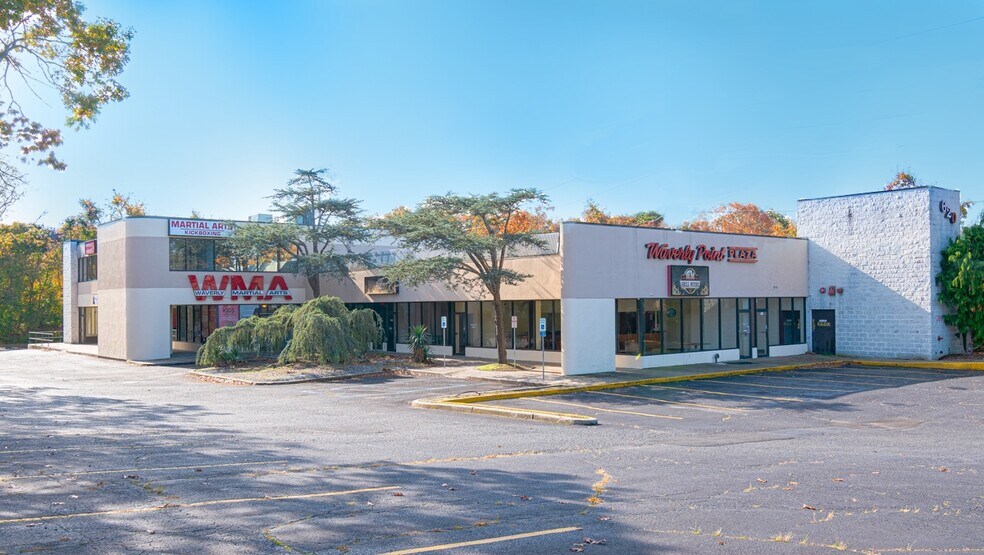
(500, 327)
(315, 283)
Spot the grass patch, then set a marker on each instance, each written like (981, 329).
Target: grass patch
(496, 367)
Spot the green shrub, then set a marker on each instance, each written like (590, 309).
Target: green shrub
(419, 340)
(321, 330)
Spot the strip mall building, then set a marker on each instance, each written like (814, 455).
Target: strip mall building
(860, 281)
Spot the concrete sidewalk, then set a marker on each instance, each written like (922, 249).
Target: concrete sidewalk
(179, 358)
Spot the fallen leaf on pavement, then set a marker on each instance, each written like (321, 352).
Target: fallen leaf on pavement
(809, 508)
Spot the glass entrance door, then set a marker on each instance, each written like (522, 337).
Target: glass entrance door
(744, 334)
(461, 333)
(762, 332)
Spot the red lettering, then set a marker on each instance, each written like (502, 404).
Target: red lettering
(278, 285)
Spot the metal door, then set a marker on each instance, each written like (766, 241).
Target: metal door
(824, 332)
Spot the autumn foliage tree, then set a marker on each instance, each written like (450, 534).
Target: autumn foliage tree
(595, 214)
(744, 219)
(30, 281)
(47, 46)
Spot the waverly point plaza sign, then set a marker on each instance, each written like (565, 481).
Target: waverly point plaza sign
(663, 251)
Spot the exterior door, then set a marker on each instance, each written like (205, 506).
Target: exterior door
(762, 332)
(461, 333)
(744, 334)
(824, 332)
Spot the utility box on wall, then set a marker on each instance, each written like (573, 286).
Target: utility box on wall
(873, 258)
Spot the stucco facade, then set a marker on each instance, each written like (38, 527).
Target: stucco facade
(614, 296)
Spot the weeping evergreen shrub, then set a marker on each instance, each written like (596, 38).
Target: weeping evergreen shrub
(228, 344)
(321, 330)
(270, 335)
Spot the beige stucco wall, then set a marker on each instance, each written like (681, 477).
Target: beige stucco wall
(136, 289)
(602, 261)
(543, 284)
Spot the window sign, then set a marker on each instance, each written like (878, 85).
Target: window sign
(689, 281)
(89, 248)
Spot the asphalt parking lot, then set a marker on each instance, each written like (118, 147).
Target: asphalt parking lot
(100, 457)
(881, 394)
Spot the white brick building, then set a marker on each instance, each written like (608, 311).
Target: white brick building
(880, 252)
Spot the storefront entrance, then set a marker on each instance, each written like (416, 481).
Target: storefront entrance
(89, 324)
(824, 332)
(745, 334)
(762, 330)
(460, 332)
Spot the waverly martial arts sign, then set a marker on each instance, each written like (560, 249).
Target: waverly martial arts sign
(238, 289)
(688, 254)
(198, 228)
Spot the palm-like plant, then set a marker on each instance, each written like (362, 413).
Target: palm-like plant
(419, 341)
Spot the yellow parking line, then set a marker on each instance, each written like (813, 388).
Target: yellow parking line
(148, 469)
(781, 386)
(196, 504)
(694, 390)
(604, 410)
(684, 403)
(483, 542)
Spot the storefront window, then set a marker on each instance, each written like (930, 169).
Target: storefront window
(402, 323)
(729, 324)
(87, 268)
(627, 318)
(691, 324)
(791, 317)
(177, 254)
(474, 324)
(488, 325)
(652, 333)
(521, 310)
(442, 310)
(774, 329)
(711, 337)
(672, 340)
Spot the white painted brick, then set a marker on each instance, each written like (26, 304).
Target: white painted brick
(884, 249)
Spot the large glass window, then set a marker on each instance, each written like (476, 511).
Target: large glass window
(556, 326)
(427, 320)
(474, 324)
(87, 268)
(521, 310)
(627, 326)
(177, 254)
(691, 324)
(652, 332)
(774, 329)
(672, 333)
(442, 310)
(200, 254)
(402, 323)
(488, 325)
(729, 324)
(791, 317)
(711, 337)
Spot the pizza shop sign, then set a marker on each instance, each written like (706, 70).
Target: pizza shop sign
(238, 289)
(688, 254)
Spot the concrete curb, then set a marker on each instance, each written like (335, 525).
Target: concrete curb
(937, 365)
(509, 412)
(205, 376)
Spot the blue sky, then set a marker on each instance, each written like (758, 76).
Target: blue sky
(671, 106)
